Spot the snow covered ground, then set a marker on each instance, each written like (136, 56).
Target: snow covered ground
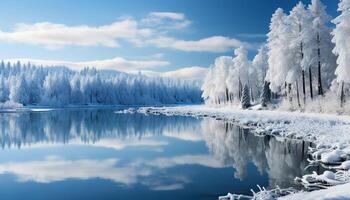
(330, 134)
(322, 129)
(338, 192)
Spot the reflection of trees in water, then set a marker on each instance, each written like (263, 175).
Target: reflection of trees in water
(232, 145)
(18, 129)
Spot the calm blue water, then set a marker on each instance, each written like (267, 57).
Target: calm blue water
(99, 154)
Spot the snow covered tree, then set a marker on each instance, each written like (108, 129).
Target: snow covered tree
(19, 90)
(266, 94)
(342, 44)
(283, 71)
(215, 88)
(300, 23)
(222, 65)
(60, 86)
(56, 89)
(34, 85)
(278, 51)
(4, 91)
(208, 86)
(245, 97)
(296, 43)
(241, 68)
(260, 65)
(226, 78)
(76, 93)
(321, 46)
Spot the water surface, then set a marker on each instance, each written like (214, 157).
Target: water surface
(101, 154)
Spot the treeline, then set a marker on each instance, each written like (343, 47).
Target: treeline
(303, 59)
(27, 84)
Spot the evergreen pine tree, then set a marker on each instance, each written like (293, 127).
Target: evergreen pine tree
(266, 94)
(245, 97)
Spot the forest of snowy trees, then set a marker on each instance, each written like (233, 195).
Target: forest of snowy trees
(25, 84)
(306, 59)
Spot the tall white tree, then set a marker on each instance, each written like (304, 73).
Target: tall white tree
(239, 72)
(260, 65)
(19, 89)
(300, 23)
(208, 86)
(227, 76)
(4, 90)
(321, 46)
(342, 44)
(56, 89)
(221, 70)
(278, 51)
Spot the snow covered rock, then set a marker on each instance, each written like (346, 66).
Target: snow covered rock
(333, 157)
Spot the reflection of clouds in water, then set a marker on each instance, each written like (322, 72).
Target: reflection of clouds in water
(58, 169)
(176, 186)
(188, 135)
(203, 160)
(166, 182)
(100, 128)
(90, 126)
(118, 144)
(234, 146)
(229, 145)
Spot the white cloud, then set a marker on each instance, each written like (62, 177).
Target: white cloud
(166, 20)
(150, 31)
(55, 36)
(190, 73)
(186, 73)
(252, 35)
(157, 56)
(214, 44)
(117, 63)
(170, 15)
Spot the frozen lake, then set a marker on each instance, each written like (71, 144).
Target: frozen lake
(101, 154)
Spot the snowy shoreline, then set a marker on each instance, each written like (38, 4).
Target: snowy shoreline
(330, 133)
(313, 127)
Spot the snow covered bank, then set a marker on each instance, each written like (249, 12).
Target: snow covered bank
(340, 192)
(330, 133)
(322, 129)
(333, 193)
(10, 105)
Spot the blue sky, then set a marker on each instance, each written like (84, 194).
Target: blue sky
(134, 35)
